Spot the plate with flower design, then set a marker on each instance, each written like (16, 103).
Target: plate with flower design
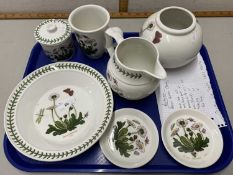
(192, 138)
(58, 111)
(131, 139)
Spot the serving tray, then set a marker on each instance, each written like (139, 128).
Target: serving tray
(93, 159)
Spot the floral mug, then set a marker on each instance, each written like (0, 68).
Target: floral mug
(89, 23)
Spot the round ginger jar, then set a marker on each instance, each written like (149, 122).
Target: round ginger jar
(176, 33)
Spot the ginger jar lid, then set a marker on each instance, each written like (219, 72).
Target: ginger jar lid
(52, 31)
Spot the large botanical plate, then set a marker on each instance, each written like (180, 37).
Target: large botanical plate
(131, 139)
(192, 138)
(58, 111)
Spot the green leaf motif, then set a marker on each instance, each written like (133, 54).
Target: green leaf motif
(124, 72)
(176, 143)
(123, 147)
(192, 142)
(55, 131)
(121, 139)
(200, 143)
(117, 129)
(186, 142)
(61, 127)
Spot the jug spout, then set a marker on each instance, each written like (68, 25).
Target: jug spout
(159, 72)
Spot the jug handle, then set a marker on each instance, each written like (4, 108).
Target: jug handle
(113, 33)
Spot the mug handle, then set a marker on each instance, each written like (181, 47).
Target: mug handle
(113, 33)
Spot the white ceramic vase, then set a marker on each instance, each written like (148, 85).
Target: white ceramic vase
(176, 33)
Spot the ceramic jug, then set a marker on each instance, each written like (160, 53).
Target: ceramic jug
(133, 70)
(176, 33)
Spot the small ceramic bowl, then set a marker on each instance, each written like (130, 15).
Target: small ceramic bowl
(54, 35)
(192, 138)
(131, 139)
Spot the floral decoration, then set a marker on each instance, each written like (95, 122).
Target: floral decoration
(88, 45)
(65, 123)
(189, 136)
(60, 53)
(114, 84)
(130, 137)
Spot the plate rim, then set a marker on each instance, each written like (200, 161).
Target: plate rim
(32, 152)
(156, 133)
(173, 114)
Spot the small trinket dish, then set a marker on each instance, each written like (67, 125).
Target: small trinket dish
(192, 138)
(131, 139)
(54, 35)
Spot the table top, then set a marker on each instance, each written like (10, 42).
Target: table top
(17, 41)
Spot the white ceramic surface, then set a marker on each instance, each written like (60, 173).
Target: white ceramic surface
(134, 70)
(89, 23)
(134, 130)
(192, 138)
(176, 33)
(58, 111)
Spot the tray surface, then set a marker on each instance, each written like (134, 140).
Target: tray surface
(93, 159)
